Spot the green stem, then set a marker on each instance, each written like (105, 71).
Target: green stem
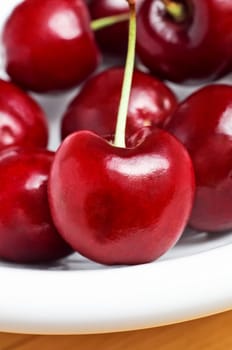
(175, 9)
(101, 23)
(120, 132)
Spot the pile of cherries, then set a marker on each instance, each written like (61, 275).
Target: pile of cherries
(115, 202)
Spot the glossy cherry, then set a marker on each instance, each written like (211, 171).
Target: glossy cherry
(49, 44)
(117, 205)
(196, 47)
(27, 233)
(95, 108)
(112, 39)
(203, 123)
(22, 121)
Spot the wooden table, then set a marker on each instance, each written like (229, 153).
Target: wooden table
(211, 333)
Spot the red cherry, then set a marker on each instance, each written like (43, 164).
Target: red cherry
(49, 44)
(196, 47)
(119, 31)
(22, 121)
(95, 108)
(203, 123)
(27, 233)
(117, 205)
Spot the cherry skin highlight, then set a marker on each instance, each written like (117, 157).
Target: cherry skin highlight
(119, 32)
(121, 206)
(203, 124)
(27, 233)
(195, 49)
(49, 45)
(22, 121)
(95, 108)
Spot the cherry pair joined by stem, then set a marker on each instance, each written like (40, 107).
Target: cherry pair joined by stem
(112, 39)
(182, 41)
(119, 205)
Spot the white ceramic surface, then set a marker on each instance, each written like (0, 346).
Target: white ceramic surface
(74, 295)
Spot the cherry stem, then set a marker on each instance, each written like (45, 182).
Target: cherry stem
(104, 22)
(120, 132)
(175, 9)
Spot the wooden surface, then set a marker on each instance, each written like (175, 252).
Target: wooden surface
(211, 333)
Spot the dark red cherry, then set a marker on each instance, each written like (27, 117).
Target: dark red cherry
(203, 123)
(22, 121)
(49, 44)
(112, 39)
(189, 47)
(117, 205)
(95, 108)
(27, 233)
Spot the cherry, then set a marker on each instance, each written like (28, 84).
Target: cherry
(106, 8)
(95, 107)
(49, 44)
(187, 40)
(27, 233)
(118, 205)
(121, 206)
(22, 121)
(203, 124)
